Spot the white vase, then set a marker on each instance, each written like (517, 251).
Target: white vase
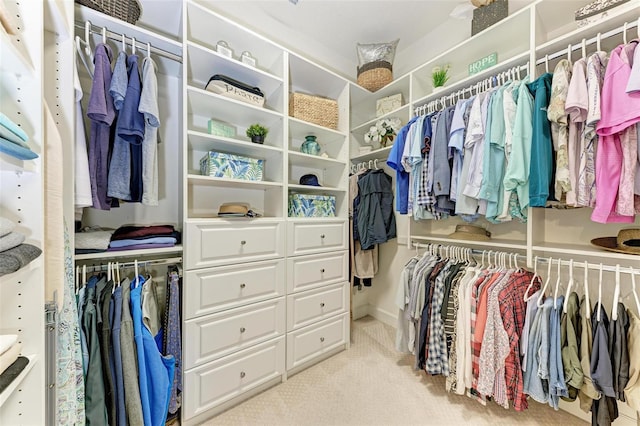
(437, 89)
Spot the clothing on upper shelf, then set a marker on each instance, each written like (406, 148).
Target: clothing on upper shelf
(126, 238)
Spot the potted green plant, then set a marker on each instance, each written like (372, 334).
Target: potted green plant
(257, 133)
(439, 76)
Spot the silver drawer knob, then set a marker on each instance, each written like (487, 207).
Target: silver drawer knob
(243, 242)
(242, 329)
(322, 304)
(322, 236)
(242, 374)
(322, 339)
(243, 285)
(322, 270)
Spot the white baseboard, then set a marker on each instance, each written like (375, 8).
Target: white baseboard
(383, 316)
(360, 311)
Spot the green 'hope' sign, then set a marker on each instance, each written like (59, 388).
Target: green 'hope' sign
(483, 63)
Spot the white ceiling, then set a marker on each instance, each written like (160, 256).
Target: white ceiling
(327, 30)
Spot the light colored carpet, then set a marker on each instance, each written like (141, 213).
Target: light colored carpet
(372, 384)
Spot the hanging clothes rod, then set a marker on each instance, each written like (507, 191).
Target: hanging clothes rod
(585, 42)
(479, 86)
(96, 29)
(539, 259)
(141, 263)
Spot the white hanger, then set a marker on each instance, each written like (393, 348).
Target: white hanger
(87, 30)
(84, 274)
(78, 283)
(108, 271)
(546, 284)
(569, 54)
(638, 31)
(535, 274)
(587, 302)
(624, 33)
(133, 45)
(598, 38)
(584, 48)
(148, 50)
(633, 286)
(599, 294)
(555, 293)
(515, 261)
(104, 35)
(569, 285)
(135, 264)
(616, 295)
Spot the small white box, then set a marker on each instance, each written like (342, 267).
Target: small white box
(388, 104)
(223, 48)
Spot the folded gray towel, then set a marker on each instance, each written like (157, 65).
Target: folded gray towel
(6, 226)
(11, 240)
(13, 259)
(98, 240)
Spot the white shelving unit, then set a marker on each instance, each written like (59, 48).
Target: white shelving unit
(22, 201)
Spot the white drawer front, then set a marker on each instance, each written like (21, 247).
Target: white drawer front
(215, 383)
(314, 305)
(214, 244)
(220, 334)
(305, 344)
(216, 289)
(308, 272)
(315, 237)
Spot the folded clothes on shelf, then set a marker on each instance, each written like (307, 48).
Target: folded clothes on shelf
(12, 372)
(151, 240)
(93, 240)
(11, 240)
(10, 356)
(141, 246)
(12, 132)
(136, 232)
(17, 151)
(18, 257)
(6, 226)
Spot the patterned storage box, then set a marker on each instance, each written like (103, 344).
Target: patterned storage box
(219, 164)
(219, 128)
(308, 205)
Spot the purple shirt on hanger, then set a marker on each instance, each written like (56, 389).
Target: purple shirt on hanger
(101, 112)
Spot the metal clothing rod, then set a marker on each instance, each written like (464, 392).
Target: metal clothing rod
(541, 259)
(479, 86)
(142, 46)
(586, 42)
(141, 263)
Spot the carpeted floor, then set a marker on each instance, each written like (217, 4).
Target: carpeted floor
(372, 384)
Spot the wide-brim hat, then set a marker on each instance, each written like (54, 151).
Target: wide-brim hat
(233, 209)
(470, 233)
(627, 241)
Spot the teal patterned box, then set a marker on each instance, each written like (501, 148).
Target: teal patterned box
(219, 164)
(308, 205)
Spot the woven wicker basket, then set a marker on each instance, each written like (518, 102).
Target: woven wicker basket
(375, 75)
(125, 10)
(314, 109)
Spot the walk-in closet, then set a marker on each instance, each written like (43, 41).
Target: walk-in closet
(305, 212)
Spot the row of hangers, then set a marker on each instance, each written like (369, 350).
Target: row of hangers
(481, 86)
(597, 40)
(84, 50)
(365, 165)
(497, 259)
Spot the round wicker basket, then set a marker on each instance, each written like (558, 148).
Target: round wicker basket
(375, 75)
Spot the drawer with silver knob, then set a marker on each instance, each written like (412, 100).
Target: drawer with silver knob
(307, 307)
(316, 237)
(316, 270)
(224, 287)
(307, 343)
(214, 336)
(212, 384)
(213, 243)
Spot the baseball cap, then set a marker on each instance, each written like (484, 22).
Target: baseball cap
(311, 180)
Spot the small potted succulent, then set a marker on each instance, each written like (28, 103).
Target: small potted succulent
(257, 133)
(439, 76)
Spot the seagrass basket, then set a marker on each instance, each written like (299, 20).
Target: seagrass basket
(125, 10)
(375, 75)
(314, 109)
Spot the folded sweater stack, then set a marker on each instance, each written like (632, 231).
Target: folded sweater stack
(11, 363)
(14, 254)
(13, 140)
(127, 238)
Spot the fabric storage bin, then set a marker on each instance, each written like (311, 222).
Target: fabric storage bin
(219, 128)
(314, 109)
(311, 205)
(486, 16)
(219, 164)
